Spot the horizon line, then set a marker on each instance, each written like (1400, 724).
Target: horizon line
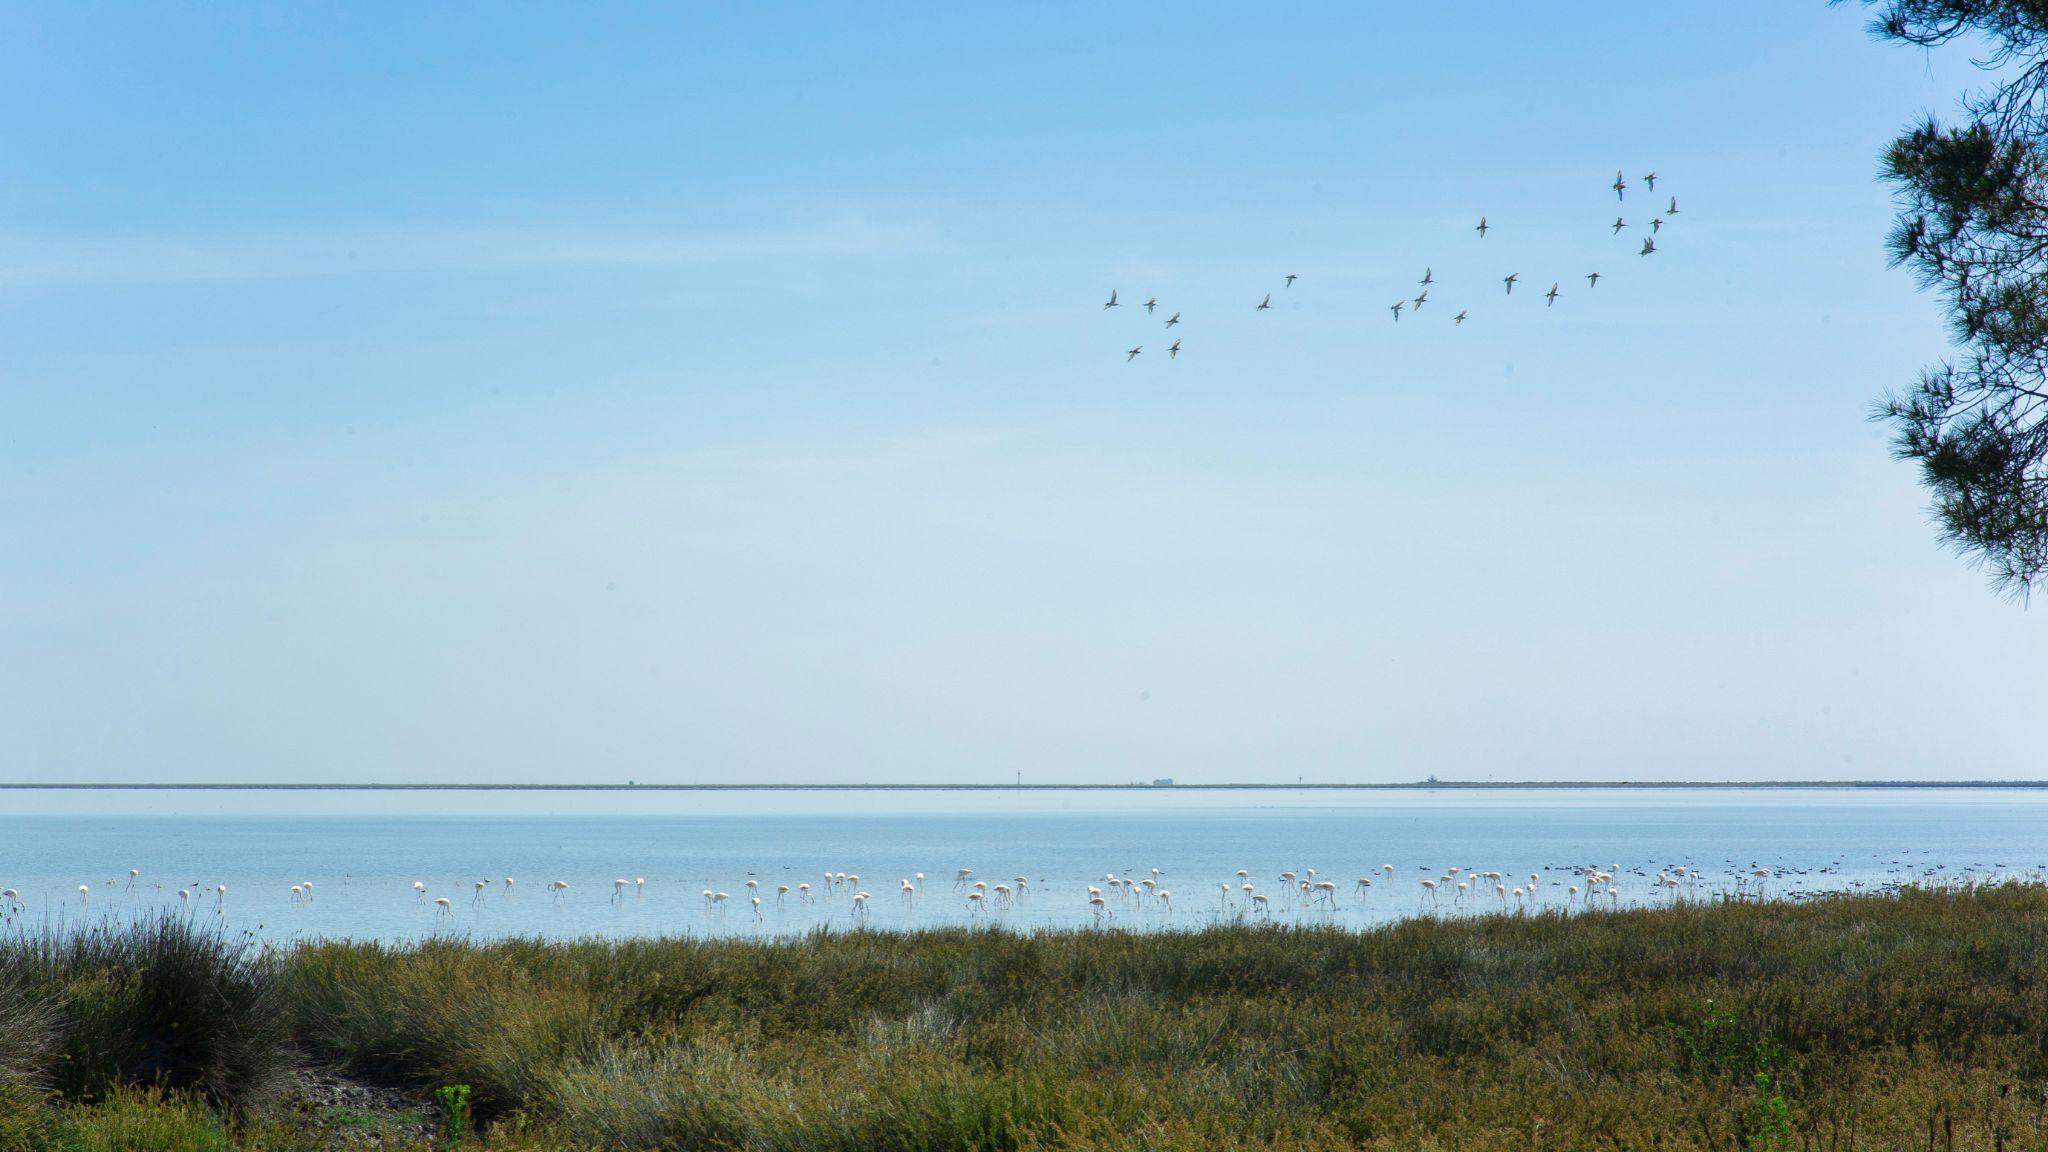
(1165, 785)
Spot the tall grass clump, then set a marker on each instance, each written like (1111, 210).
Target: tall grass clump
(441, 1013)
(161, 1004)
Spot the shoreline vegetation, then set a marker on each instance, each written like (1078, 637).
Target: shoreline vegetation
(1916, 1019)
(1143, 786)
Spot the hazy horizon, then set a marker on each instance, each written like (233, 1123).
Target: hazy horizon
(551, 395)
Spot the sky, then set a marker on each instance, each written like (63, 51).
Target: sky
(722, 392)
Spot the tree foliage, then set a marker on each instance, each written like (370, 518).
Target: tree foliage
(1973, 225)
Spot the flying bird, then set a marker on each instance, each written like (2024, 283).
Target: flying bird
(1550, 297)
(1656, 224)
(1619, 224)
(1112, 299)
(1173, 319)
(1265, 304)
(1650, 181)
(1422, 299)
(1673, 210)
(1151, 304)
(1482, 228)
(1458, 319)
(1620, 185)
(1397, 305)
(1592, 279)
(1649, 246)
(1172, 351)
(1133, 353)
(1291, 278)
(1428, 277)
(1509, 280)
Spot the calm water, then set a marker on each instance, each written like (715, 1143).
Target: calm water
(363, 853)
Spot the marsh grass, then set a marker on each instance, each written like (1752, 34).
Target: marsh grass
(159, 1004)
(1918, 1020)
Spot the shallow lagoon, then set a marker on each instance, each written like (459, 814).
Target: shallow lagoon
(363, 852)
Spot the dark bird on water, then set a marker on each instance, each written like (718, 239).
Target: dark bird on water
(1509, 280)
(1265, 304)
(1133, 353)
(1112, 299)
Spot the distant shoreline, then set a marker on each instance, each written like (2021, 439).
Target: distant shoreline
(1406, 786)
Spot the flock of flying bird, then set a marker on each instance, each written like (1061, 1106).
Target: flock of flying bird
(1575, 888)
(1415, 304)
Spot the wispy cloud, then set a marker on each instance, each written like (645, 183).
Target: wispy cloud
(39, 261)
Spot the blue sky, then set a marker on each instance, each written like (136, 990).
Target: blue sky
(525, 393)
